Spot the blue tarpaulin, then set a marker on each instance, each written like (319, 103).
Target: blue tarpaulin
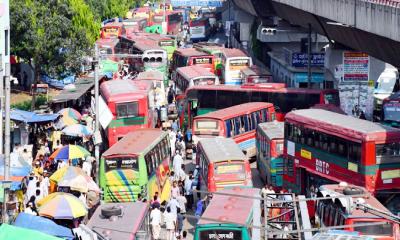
(31, 117)
(18, 169)
(43, 225)
(58, 83)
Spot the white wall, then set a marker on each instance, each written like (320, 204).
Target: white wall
(4, 26)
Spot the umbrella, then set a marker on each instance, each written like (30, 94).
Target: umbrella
(10, 232)
(69, 152)
(74, 178)
(43, 225)
(69, 116)
(77, 130)
(71, 113)
(62, 206)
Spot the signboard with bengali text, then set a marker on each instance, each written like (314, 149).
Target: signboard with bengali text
(196, 3)
(301, 59)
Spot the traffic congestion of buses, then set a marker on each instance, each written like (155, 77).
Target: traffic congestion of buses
(232, 114)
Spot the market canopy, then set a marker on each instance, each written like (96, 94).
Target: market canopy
(43, 225)
(75, 91)
(31, 117)
(18, 170)
(10, 232)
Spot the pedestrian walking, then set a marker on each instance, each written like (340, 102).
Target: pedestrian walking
(173, 204)
(189, 191)
(182, 203)
(177, 162)
(179, 222)
(170, 223)
(155, 218)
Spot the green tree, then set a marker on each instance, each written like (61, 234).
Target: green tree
(51, 35)
(106, 9)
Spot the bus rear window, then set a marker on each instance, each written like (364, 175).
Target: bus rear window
(332, 98)
(121, 163)
(207, 125)
(388, 153)
(375, 230)
(126, 110)
(204, 81)
(204, 60)
(229, 168)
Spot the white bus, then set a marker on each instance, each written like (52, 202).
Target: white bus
(233, 61)
(194, 75)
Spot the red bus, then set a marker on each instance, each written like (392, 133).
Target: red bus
(134, 25)
(203, 99)
(111, 30)
(109, 46)
(238, 122)
(189, 76)
(347, 210)
(190, 56)
(222, 165)
(323, 147)
(129, 104)
(200, 29)
(173, 19)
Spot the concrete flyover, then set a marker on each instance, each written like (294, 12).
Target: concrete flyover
(372, 26)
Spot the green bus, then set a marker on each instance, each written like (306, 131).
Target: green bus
(214, 49)
(269, 152)
(231, 217)
(139, 163)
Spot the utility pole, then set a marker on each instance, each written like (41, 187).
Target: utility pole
(96, 98)
(309, 57)
(230, 24)
(6, 82)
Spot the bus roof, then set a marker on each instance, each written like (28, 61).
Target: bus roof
(134, 143)
(272, 130)
(221, 149)
(255, 71)
(263, 88)
(191, 52)
(150, 75)
(233, 52)
(125, 225)
(107, 42)
(194, 71)
(343, 125)
(113, 24)
(335, 190)
(228, 208)
(115, 90)
(145, 44)
(230, 112)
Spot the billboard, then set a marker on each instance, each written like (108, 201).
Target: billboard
(355, 66)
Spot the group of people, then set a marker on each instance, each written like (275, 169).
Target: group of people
(171, 214)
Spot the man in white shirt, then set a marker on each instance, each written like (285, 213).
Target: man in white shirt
(177, 163)
(173, 205)
(170, 223)
(155, 218)
(87, 165)
(182, 203)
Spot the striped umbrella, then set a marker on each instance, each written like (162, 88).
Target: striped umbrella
(74, 178)
(61, 205)
(69, 152)
(69, 116)
(77, 130)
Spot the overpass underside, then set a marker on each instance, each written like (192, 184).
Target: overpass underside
(383, 48)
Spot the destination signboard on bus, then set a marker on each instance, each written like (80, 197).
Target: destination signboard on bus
(196, 3)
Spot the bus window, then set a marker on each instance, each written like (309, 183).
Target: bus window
(375, 230)
(126, 110)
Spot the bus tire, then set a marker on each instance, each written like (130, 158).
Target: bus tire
(108, 212)
(352, 191)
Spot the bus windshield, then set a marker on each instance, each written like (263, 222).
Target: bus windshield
(128, 163)
(375, 230)
(229, 168)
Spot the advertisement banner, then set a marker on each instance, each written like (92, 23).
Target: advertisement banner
(355, 66)
(301, 59)
(392, 111)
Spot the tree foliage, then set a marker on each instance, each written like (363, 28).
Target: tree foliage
(106, 9)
